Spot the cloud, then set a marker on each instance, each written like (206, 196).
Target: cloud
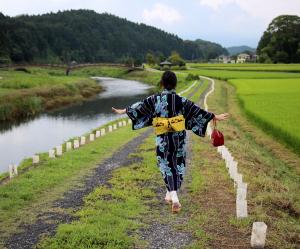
(161, 13)
(265, 10)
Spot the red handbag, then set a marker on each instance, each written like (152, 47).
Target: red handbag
(217, 136)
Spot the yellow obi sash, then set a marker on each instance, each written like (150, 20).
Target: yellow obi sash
(164, 125)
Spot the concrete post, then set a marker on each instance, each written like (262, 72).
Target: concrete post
(59, 150)
(92, 137)
(258, 236)
(98, 134)
(241, 209)
(76, 144)
(51, 153)
(110, 128)
(35, 159)
(103, 132)
(82, 140)
(68, 146)
(13, 170)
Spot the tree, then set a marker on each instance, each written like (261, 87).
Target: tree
(280, 42)
(150, 59)
(176, 59)
(87, 36)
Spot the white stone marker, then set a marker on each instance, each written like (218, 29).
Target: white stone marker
(124, 123)
(76, 144)
(92, 137)
(233, 170)
(238, 179)
(115, 126)
(98, 133)
(13, 170)
(51, 153)
(129, 121)
(35, 159)
(110, 128)
(82, 140)
(258, 236)
(120, 124)
(241, 209)
(241, 194)
(59, 150)
(103, 132)
(69, 146)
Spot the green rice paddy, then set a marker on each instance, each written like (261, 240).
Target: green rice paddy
(269, 95)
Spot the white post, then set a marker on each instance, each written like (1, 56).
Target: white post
(59, 150)
(82, 140)
(102, 132)
(115, 126)
(241, 194)
(76, 144)
(110, 128)
(233, 170)
(52, 153)
(124, 123)
(98, 133)
(92, 137)
(69, 146)
(35, 159)
(258, 236)
(120, 124)
(13, 170)
(238, 179)
(241, 209)
(129, 121)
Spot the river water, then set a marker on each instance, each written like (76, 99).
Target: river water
(51, 129)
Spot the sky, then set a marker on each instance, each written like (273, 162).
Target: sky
(227, 22)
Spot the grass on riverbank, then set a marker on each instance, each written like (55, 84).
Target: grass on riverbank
(20, 197)
(25, 94)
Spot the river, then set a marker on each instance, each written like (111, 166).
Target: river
(53, 128)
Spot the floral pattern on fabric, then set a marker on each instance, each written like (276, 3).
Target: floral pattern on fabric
(171, 146)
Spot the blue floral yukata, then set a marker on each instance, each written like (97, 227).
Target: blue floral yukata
(170, 146)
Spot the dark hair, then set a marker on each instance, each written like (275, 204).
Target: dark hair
(168, 80)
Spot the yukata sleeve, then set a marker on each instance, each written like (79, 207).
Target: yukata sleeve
(141, 113)
(196, 119)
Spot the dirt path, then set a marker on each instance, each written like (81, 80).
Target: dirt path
(47, 222)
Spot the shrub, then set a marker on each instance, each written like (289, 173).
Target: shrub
(190, 77)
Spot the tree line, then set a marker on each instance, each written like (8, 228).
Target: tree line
(280, 43)
(87, 36)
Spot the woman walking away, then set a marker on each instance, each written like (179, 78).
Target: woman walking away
(170, 115)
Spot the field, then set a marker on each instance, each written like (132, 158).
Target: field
(126, 209)
(268, 94)
(249, 67)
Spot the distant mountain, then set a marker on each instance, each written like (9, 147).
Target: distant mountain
(210, 50)
(87, 36)
(239, 49)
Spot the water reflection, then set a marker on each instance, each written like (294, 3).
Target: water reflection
(21, 140)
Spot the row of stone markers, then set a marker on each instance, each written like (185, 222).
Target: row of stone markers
(58, 150)
(259, 229)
